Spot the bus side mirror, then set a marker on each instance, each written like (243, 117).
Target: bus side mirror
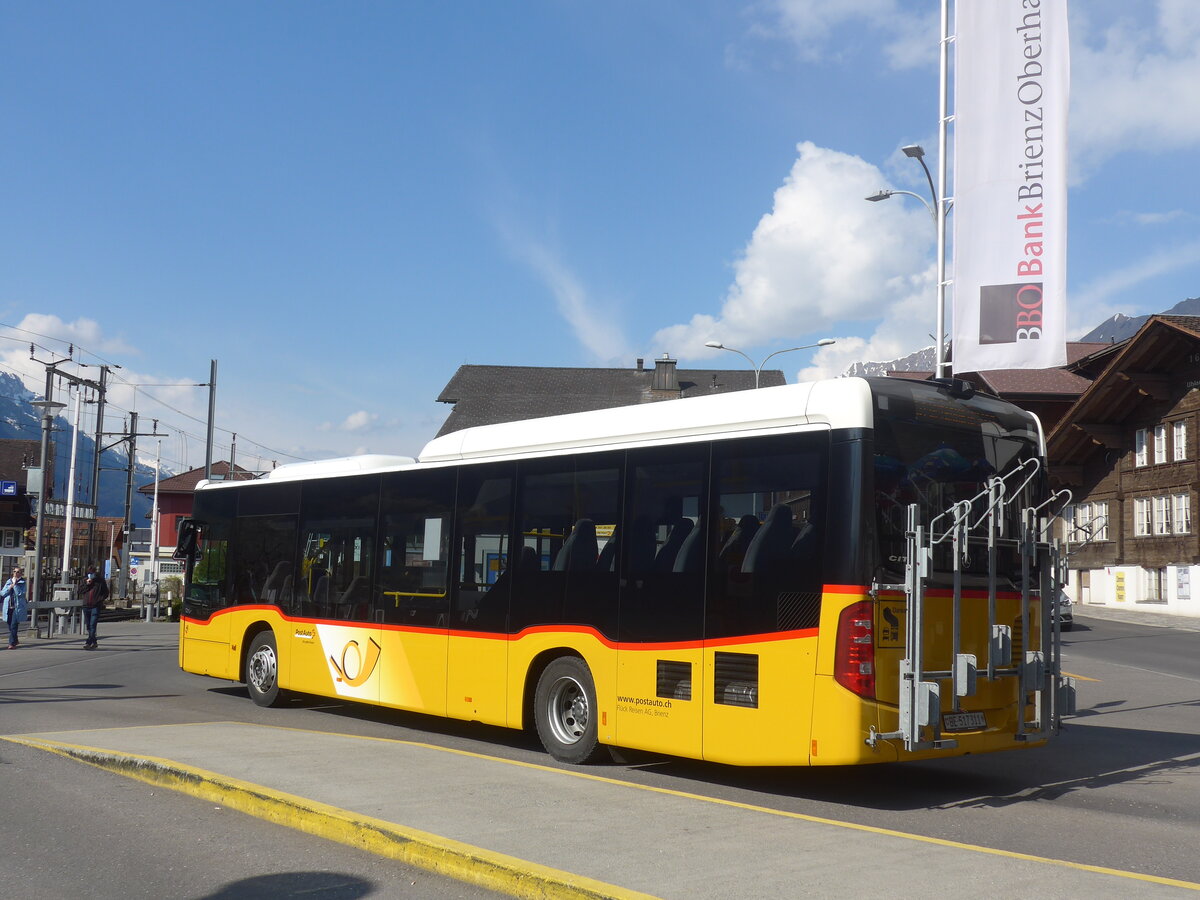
(189, 537)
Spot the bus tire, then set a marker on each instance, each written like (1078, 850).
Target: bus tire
(262, 670)
(564, 710)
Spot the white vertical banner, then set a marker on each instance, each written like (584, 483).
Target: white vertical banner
(1011, 86)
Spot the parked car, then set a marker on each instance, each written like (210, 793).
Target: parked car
(1063, 610)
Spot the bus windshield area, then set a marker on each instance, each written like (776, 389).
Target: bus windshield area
(935, 451)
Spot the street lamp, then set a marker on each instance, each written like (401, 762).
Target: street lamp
(717, 345)
(49, 408)
(883, 195)
(938, 212)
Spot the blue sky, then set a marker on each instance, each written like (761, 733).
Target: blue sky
(343, 202)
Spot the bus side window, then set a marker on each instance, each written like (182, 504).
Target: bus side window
(662, 567)
(414, 548)
(767, 575)
(337, 546)
(483, 523)
(566, 508)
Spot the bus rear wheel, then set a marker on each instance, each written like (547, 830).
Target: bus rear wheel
(262, 670)
(564, 710)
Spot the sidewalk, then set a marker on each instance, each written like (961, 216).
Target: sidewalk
(539, 831)
(1133, 615)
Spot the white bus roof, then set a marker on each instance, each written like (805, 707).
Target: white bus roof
(835, 403)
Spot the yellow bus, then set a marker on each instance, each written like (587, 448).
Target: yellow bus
(845, 571)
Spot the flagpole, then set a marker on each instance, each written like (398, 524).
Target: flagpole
(943, 203)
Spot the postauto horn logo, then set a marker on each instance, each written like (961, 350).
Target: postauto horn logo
(354, 669)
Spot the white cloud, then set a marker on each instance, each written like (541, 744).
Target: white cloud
(1134, 86)
(823, 256)
(359, 421)
(590, 322)
(1133, 76)
(127, 389)
(1094, 298)
(909, 39)
(55, 335)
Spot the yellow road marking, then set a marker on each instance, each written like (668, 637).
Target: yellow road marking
(1080, 677)
(445, 856)
(255, 790)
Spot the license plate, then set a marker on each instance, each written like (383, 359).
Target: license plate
(964, 721)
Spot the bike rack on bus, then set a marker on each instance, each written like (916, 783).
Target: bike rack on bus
(1042, 686)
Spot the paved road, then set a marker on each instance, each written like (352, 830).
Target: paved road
(70, 830)
(1117, 790)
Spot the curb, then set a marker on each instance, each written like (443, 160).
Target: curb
(433, 853)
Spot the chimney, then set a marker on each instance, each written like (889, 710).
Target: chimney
(666, 377)
(640, 364)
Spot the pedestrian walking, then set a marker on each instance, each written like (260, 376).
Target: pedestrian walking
(15, 608)
(92, 594)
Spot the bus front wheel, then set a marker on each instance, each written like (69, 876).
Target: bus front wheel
(262, 670)
(564, 710)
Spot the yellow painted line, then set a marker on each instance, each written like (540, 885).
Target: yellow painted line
(1079, 677)
(766, 810)
(444, 856)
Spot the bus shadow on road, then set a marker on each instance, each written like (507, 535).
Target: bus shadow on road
(403, 725)
(1075, 761)
(1080, 758)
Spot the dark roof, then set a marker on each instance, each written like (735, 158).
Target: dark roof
(486, 395)
(1149, 364)
(1036, 384)
(1013, 383)
(186, 482)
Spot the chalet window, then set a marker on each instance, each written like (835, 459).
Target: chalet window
(1083, 522)
(1141, 516)
(1180, 443)
(1160, 444)
(1068, 517)
(1100, 521)
(10, 539)
(1162, 515)
(1182, 517)
(1139, 447)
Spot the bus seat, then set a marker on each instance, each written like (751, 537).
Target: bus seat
(272, 591)
(320, 595)
(690, 557)
(772, 542)
(607, 560)
(735, 547)
(344, 606)
(580, 549)
(664, 560)
(641, 547)
(802, 546)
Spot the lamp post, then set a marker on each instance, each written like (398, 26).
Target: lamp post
(938, 211)
(49, 408)
(883, 195)
(717, 345)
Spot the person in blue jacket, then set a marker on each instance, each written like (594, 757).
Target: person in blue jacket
(15, 608)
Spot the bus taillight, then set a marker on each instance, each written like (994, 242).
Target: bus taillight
(854, 659)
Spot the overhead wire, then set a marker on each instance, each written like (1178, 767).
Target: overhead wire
(271, 454)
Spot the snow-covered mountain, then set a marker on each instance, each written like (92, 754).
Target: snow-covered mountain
(20, 419)
(1120, 327)
(922, 361)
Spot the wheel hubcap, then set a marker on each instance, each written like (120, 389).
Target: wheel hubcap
(568, 710)
(262, 669)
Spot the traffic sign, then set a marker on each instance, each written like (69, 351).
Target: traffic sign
(8, 489)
